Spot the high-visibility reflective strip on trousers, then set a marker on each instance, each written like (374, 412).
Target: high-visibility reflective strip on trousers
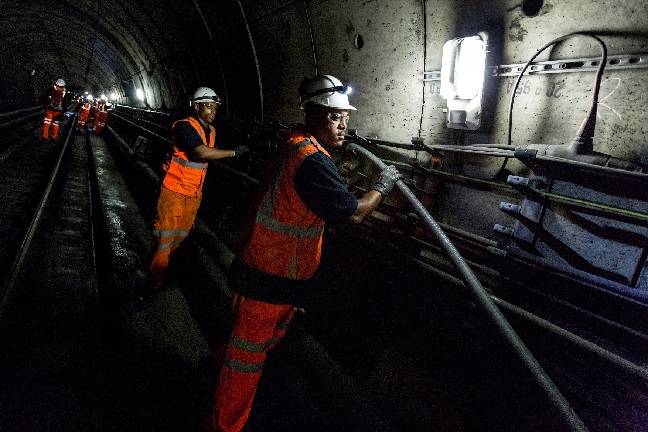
(258, 327)
(175, 217)
(50, 127)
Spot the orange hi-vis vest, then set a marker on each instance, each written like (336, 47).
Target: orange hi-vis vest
(286, 238)
(182, 175)
(56, 98)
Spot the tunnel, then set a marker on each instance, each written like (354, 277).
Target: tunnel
(497, 282)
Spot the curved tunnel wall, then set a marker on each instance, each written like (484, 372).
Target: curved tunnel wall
(255, 53)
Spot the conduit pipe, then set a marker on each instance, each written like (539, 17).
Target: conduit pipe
(485, 302)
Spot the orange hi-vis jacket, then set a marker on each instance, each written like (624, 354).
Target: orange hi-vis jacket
(182, 175)
(286, 238)
(56, 98)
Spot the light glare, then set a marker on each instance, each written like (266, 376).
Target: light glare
(140, 94)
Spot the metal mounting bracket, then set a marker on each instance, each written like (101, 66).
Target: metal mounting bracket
(586, 64)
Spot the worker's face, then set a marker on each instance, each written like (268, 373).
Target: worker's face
(331, 127)
(207, 111)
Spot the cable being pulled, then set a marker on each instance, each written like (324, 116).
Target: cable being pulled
(484, 301)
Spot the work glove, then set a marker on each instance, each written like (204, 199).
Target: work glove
(386, 181)
(240, 150)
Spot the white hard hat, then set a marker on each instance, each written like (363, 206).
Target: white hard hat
(326, 91)
(205, 94)
(59, 82)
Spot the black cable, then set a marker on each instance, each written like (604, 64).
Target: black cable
(599, 74)
(483, 299)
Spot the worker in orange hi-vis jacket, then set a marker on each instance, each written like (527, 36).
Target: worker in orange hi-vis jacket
(100, 116)
(181, 191)
(54, 112)
(84, 112)
(282, 249)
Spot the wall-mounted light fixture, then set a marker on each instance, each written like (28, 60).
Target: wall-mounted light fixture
(462, 80)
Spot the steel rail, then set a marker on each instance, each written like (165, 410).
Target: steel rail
(10, 114)
(23, 119)
(636, 371)
(17, 266)
(483, 299)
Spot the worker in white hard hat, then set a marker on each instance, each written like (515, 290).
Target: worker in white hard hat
(181, 190)
(84, 111)
(99, 115)
(282, 251)
(54, 112)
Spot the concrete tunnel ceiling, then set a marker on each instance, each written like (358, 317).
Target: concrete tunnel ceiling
(101, 45)
(254, 53)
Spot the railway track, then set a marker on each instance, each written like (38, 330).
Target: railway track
(48, 302)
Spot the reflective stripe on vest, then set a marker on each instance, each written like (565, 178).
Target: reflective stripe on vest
(183, 162)
(182, 175)
(286, 238)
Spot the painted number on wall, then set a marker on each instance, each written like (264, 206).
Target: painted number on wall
(526, 88)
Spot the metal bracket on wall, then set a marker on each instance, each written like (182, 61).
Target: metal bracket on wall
(589, 64)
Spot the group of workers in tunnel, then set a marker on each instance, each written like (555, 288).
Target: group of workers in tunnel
(282, 248)
(90, 112)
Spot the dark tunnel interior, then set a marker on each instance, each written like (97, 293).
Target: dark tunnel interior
(531, 317)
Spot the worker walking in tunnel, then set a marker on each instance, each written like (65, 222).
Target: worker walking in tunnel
(54, 111)
(84, 111)
(100, 115)
(282, 251)
(181, 190)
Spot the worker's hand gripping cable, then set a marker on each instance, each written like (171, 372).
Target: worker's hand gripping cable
(387, 180)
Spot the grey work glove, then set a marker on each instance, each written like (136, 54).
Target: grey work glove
(240, 150)
(387, 180)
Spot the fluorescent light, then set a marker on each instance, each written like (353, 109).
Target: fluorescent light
(469, 70)
(140, 94)
(462, 68)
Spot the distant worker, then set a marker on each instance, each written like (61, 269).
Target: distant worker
(181, 190)
(283, 249)
(54, 112)
(100, 115)
(84, 111)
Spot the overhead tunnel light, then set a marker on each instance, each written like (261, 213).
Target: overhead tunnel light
(113, 96)
(462, 80)
(139, 93)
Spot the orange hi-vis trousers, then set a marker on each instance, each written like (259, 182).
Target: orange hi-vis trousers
(176, 214)
(258, 327)
(51, 124)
